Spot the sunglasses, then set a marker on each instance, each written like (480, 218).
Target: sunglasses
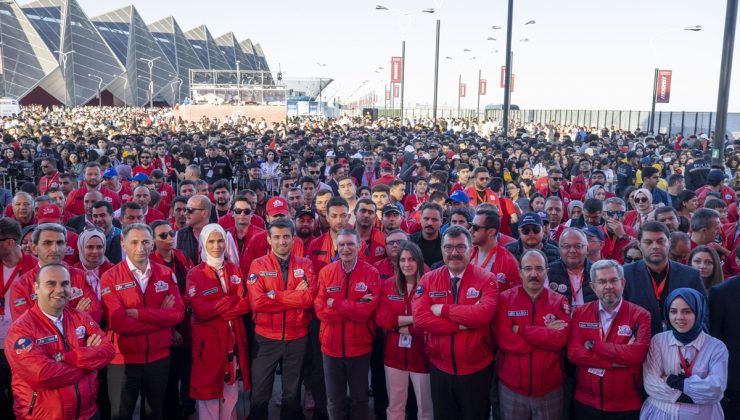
(557, 179)
(191, 210)
(528, 230)
(242, 211)
(612, 213)
(475, 227)
(641, 200)
(164, 235)
(314, 172)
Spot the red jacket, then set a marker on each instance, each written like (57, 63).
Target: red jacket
(287, 315)
(321, 252)
(505, 206)
(71, 254)
(252, 231)
(529, 360)
(152, 215)
(44, 388)
(375, 250)
(391, 306)
(166, 167)
(619, 388)
(450, 348)
(505, 267)
(227, 222)
(578, 188)
(727, 193)
(613, 247)
(348, 326)
(147, 338)
(730, 232)
(217, 316)
(564, 197)
(23, 295)
(75, 205)
(25, 264)
(259, 247)
(413, 202)
(142, 170)
(46, 182)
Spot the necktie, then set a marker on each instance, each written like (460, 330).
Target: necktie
(454, 281)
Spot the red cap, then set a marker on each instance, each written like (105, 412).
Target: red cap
(386, 165)
(277, 205)
(49, 213)
(342, 161)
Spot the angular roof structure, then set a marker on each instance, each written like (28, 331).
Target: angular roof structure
(25, 59)
(178, 51)
(79, 48)
(262, 62)
(206, 49)
(232, 52)
(128, 36)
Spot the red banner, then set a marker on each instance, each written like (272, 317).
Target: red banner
(387, 95)
(663, 95)
(396, 91)
(463, 90)
(482, 87)
(395, 69)
(503, 76)
(513, 79)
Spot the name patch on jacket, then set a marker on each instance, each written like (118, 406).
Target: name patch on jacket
(125, 286)
(438, 294)
(268, 273)
(210, 291)
(395, 297)
(318, 252)
(333, 289)
(47, 340)
(161, 286)
(589, 325)
(518, 313)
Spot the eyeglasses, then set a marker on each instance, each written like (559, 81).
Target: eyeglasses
(610, 282)
(612, 213)
(574, 247)
(164, 235)
(460, 248)
(146, 157)
(191, 210)
(641, 200)
(475, 227)
(484, 179)
(528, 230)
(396, 242)
(628, 260)
(242, 211)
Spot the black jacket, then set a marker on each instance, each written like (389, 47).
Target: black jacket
(188, 244)
(724, 318)
(557, 275)
(551, 251)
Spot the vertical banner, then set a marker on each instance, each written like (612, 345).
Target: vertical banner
(503, 76)
(396, 91)
(395, 69)
(513, 79)
(387, 95)
(482, 87)
(463, 90)
(664, 86)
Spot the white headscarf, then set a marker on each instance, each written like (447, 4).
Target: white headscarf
(83, 239)
(215, 262)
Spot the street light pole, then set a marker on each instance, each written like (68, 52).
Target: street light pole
(507, 76)
(100, 86)
(651, 124)
(718, 144)
(64, 73)
(477, 109)
(436, 75)
(459, 87)
(403, 71)
(150, 63)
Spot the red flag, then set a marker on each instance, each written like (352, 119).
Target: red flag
(463, 90)
(395, 69)
(663, 95)
(482, 86)
(396, 91)
(387, 95)
(503, 76)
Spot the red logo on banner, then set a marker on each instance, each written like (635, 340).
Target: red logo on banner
(396, 91)
(503, 76)
(664, 86)
(482, 87)
(395, 69)
(463, 90)
(387, 95)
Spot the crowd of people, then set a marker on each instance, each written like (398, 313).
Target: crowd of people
(446, 269)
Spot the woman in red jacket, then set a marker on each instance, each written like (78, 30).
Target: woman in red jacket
(218, 296)
(404, 357)
(91, 247)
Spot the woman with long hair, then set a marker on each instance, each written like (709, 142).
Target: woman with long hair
(405, 358)
(706, 260)
(218, 296)
(688, 202)
(270, 172)
(629, 197)
(685, 372)
(643, 199)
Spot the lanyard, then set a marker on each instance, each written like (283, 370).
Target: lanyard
(687, 368)
(658, 290)
(491, 254)
(574, 293)
(5, 286)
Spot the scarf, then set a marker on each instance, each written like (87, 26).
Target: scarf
(698, 304)
(215, 262)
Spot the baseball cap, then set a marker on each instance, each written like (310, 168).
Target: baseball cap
(141, 177)
(386, 165)
(390, 208)
(631, 154)
(276, 206)
(594, 232)
(530, 218)
(305, 211)
(49, 213)
(110, 173)
(459, 197)
(646, 160)
(714, 177)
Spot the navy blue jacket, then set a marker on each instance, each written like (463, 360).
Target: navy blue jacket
(724, 314)
(639, 288)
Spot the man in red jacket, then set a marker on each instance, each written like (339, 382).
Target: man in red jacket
(455, 305)
(142, 304)
(91, 181)
(346, 302)
(488, 254)
(282, 288)
(608, 342)
(531, 329)
(56, 352)
(324, 250)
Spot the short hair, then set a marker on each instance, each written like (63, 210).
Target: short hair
(395, 231)
(221, 183)
(283, 224)
(50, 266)
(194, 169)
(533, 251)
(479, 170)
(336, 202)
(678, 237)
(615, 200)
(653, 226)
(702, 218)
(433, 206)
(555, 199)
(664, 209)
(157, 173)
(456, 232)
(381, 188)
(603, 265)
(10, 229)
(463, 212)
(136, 226)
(53, 227)
(185, 182)
(24, 194)
(180, 199)
(714, 204)
(675, 179)
(364, 201)
(306, 179)
(351, 232)
(493, 220)
(592, 205)
(648, 172)
(102, 203)
(335, 168)
(575, 231)
(555, 170)
(131, 205)
(323, 192)
(91, 164)
(255, 185)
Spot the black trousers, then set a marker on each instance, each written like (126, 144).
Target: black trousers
(377, 376)
(266, 354)
(127, 382)
(6, 392)
(177, 401)
(586, 412)
(315, 378)
(341, 373)
(464, 397)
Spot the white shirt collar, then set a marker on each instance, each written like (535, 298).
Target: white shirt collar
(58, 321)
(461, 274)
(615, 311)
(133, 268)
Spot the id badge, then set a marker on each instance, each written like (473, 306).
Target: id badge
(404, 341)
(598, 372)
(209, 174)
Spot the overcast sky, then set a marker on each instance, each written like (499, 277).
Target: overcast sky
(581, 54)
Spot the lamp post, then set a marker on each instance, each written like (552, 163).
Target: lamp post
(100, 86)
(64, 73)
(509, 56)
(179, 85)
(725, 71)
(321, 88)
(150, 63)
(238, 83)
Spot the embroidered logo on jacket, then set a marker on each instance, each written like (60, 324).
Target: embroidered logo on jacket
(161, 286)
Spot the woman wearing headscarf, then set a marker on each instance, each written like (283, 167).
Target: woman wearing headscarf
(685, 373)
(218, 296)
(643, 207)
(575, 211)
(91, 248)
(597, 191)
